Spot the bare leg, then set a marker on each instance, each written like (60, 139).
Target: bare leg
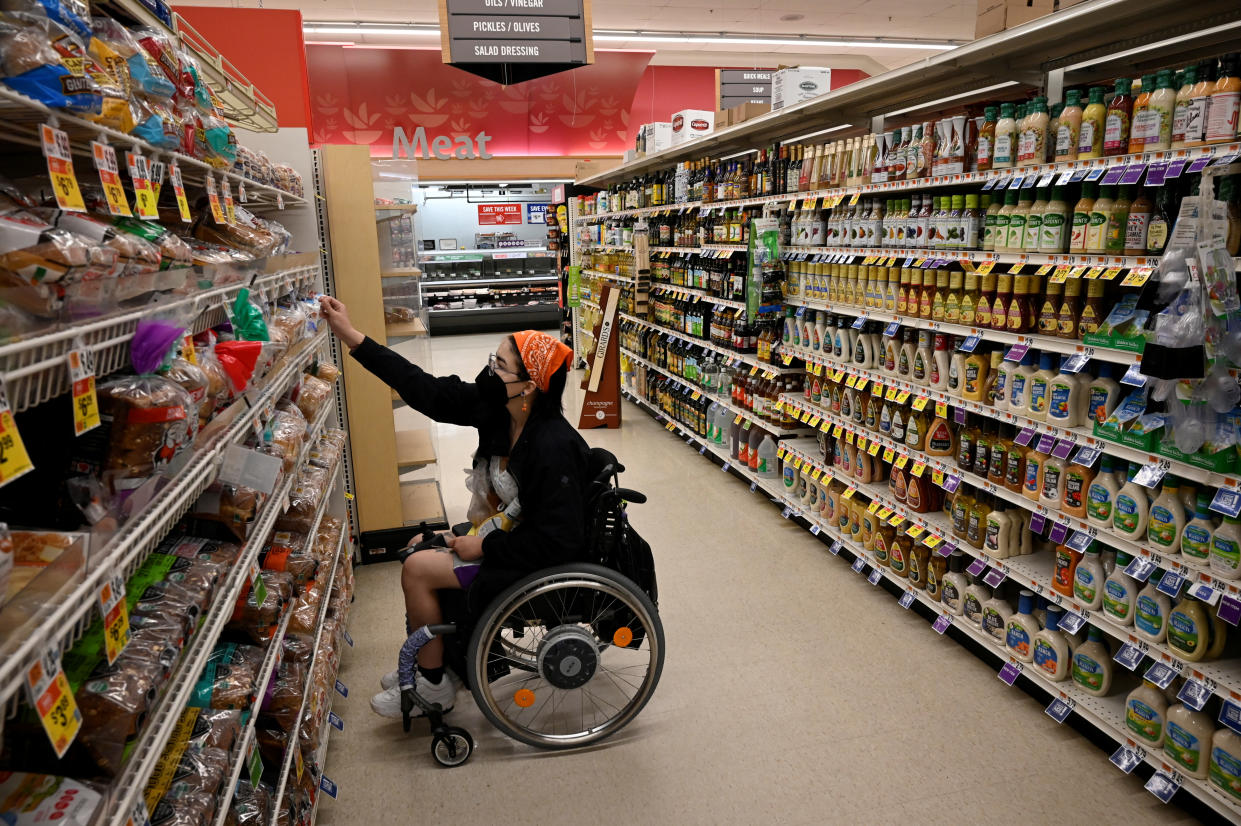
(422, 574)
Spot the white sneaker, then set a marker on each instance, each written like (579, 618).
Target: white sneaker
(390, 679)
(387, 703)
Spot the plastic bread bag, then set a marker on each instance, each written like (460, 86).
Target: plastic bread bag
(251, 805)
(283, 698)
(174, 252)
(195, 382)
(247, 317)
(291, 321)
(187, 763)
(110, 71)
(114, 701)
(37, 259)
(258, 622)
(304, 500)
(285, 553)
(65, 14)
(238, 360)
(44, 61)
(156, 124)
(146, 78)
(228, 678)
(312, 396)
(218, 141)
(232, 505)
(287, 431)
(306, 611)
(325, 370)
(193, 547)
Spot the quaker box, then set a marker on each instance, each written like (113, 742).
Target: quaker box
(792, 86)
(692, 123)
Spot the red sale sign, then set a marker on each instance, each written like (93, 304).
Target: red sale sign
(499, 214)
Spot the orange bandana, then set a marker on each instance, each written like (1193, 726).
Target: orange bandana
(542, 355)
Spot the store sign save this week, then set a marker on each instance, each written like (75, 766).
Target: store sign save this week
(490, 214)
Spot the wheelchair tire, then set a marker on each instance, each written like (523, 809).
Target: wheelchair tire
(559, 612)
(452, 747)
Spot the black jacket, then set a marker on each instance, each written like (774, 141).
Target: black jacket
(549, 462)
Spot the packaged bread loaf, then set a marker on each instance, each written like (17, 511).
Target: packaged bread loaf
(286, 552)
(313, 394)
(152, 419)
(194, 547)
(304, 500)
(196, 382)
(325, 370)
(251, 805)
(258, 621)
(228, 679)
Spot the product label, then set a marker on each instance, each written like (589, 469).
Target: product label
(1031, 481)
(1116, 599)
(1096, 232)
(1161, 530)
(1225, 771)
(1225, 554)
(1019, 390)
(1086, 138)
(950, 595)
(1126, 519)
(1004, 149)
(1135, 230)
(1196, 119)
(1116, 132)
(1183, 633)
(1046, 657)
(1051, 482)
(1222, 116)
(1182, 746)
(1058, 403)
(896, 558)
(1145, 126)
(992, 540)
(993, 624)
(1148, 616)
(1087, 672)
(1143, 721)
(1085, 584)
(1077, 239)
(1038, 395)
(1064, 140)
(1017, 638)
(974, 530)
(973, 609)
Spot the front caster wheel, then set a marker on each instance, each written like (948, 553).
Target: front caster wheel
(452, 747)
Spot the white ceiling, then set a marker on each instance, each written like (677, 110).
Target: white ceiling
(939, 19)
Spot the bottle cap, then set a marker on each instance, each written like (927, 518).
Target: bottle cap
(1052, 618)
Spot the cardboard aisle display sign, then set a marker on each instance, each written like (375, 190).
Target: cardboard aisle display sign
(601, 407)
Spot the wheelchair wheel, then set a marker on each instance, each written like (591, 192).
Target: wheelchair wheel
(587, 659)
(452, 747)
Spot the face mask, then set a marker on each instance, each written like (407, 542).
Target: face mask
(492, 389)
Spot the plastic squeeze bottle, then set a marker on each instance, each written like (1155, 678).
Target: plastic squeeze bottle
(996, 612)
(954, 584)
(1120, 592)
(1224, 771)
(1167, 518)
(1092, 664)
(1150, 612)
(1187, 740)
(1021, 627)
(1088, 579)
(1196, 538)
(1226, 549)
(1040, 387)
(1132, 509)
(1189, 633)
(1145, 711)
(1051, 647)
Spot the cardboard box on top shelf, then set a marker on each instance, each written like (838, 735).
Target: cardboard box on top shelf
(588, 169)
(689, 124)
(654, 137)
(746, 111)
(995, 16)
(792, 86)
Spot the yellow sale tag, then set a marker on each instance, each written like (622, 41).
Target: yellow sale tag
(297, 761)
(780, 453)
(1015, 269)
(861, 384)
(669, 426)
(901, 461)
(941, 410)
(849, 436)
(810, 203)
(1077, 271)
(873, 506)
(902, 397)
(178, 189)
(851, 381)
(695, 395)
(861, 442)
(836, 431)
(115, 617)
(1093, 273)
(918, 469)
(230, 213)
(1136, 277)
(53, 701)
(888, 454)
(797, 463)
(1043, 270)
(187, 350)
(1110, 273)
(920, 403)
(826, 426)
(60, 168)
(738, 419)
(848, 494)
(874, 448)
(144, 194)
(915, 531)
(896, 520)
(110, 177)
(1060, 275)
(986, 267)
(854, 198)
(884, 513)
(932, 541)
(14, 460)
(817, 473)
(213, 197)
(870, 259)
(937, 476)
(157, 179)
(82, 379)
(814, 422)
(805, 417)
(890, 394)
(818, 369)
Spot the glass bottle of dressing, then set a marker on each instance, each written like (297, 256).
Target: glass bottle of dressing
(1090, 138)
(986, 138)
(1003, 218)
(1036, 132)
(1054, 236)
(986, 298)
(1159, 227)
(1081, 217)
(1118, 222)
(1199, 104)
(1160, 110)
(1222, 116)
(1034, 221)
(1142, 121)
(1137, 223)
(1116, 121)
(1100, 218)
(1003, 296)
(994, 205)
(1068, 130)
(1180, 109)
(1017, 222)
(1005, 138)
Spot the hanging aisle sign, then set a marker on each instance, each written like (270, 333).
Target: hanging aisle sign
(511, 41)
(489, 214)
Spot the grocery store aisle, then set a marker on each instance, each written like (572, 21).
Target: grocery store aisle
(793, 692)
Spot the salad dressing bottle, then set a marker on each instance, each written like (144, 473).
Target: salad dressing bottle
(1150, 611)
(1068, 131)
(1145, 710)
(1021, 628)
(1091, 667)
(1167, 519)
(1187, 740)
(1090, 138)
(1088, 579)
(1120, 592)
(1051, 651)
(1005, 138)
(1196, 537)
(1132, 509)
(1226, 549)
(954, 583)
(1081, 217)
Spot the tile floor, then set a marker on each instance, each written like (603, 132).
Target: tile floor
(793, 691)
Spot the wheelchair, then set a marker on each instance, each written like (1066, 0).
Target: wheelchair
(562, 658)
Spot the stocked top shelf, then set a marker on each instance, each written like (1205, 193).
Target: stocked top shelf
(687, 292)
(491, 252)
(1058, 173)
(610, 276)
(733, 358)
(396, 208)
(431, 283)
(21, 118)
(1089, 41)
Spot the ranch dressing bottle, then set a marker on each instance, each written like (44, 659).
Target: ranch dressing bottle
(1021, 628)
(1225, 768)
(1120, 592)
(1167, 518)
(1052, 656)
(1145, 712)
(1196, 537)
(1132, 507)
(1226, 549)
(1150, 612)
(1187, 740)
(1091, 665)
(1088, 579)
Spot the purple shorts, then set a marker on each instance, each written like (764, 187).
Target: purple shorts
(466, 572)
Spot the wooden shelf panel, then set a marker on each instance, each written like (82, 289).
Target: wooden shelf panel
(421, 502)
(414, 448)
(405, 329)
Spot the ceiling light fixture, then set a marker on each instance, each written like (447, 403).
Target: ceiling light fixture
(931, 104)
(819, 132)
(635, 36)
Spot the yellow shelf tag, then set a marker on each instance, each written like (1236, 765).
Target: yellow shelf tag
(918, 469)
(920, 403)
(144, 194)
(52, 700)
(14, 460)
(82, 379)
(110, 177)
(888, 454)
(941, 410)
(115, 615)
(60, 168)
(901, 461)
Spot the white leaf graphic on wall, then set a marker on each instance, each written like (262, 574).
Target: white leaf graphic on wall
(608, 106)
(460, 125)
(538, 123)
(598, 139)
(428, 111)
(362, 124)
(396, 104)
(327, 104)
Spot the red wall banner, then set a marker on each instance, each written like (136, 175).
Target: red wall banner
(360, 95)
(499, 214)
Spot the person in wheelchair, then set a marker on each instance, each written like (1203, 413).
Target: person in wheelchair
(528, 479)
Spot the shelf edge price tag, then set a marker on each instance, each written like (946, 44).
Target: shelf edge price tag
(178, 189)
(53, 701)
(230, 212)
(144, 195)
(82, 379)
(1059, 709)
(1163, 786)
(60, 169)
(115, 615)
(213, 197)
(110, 177)
(14, 460)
